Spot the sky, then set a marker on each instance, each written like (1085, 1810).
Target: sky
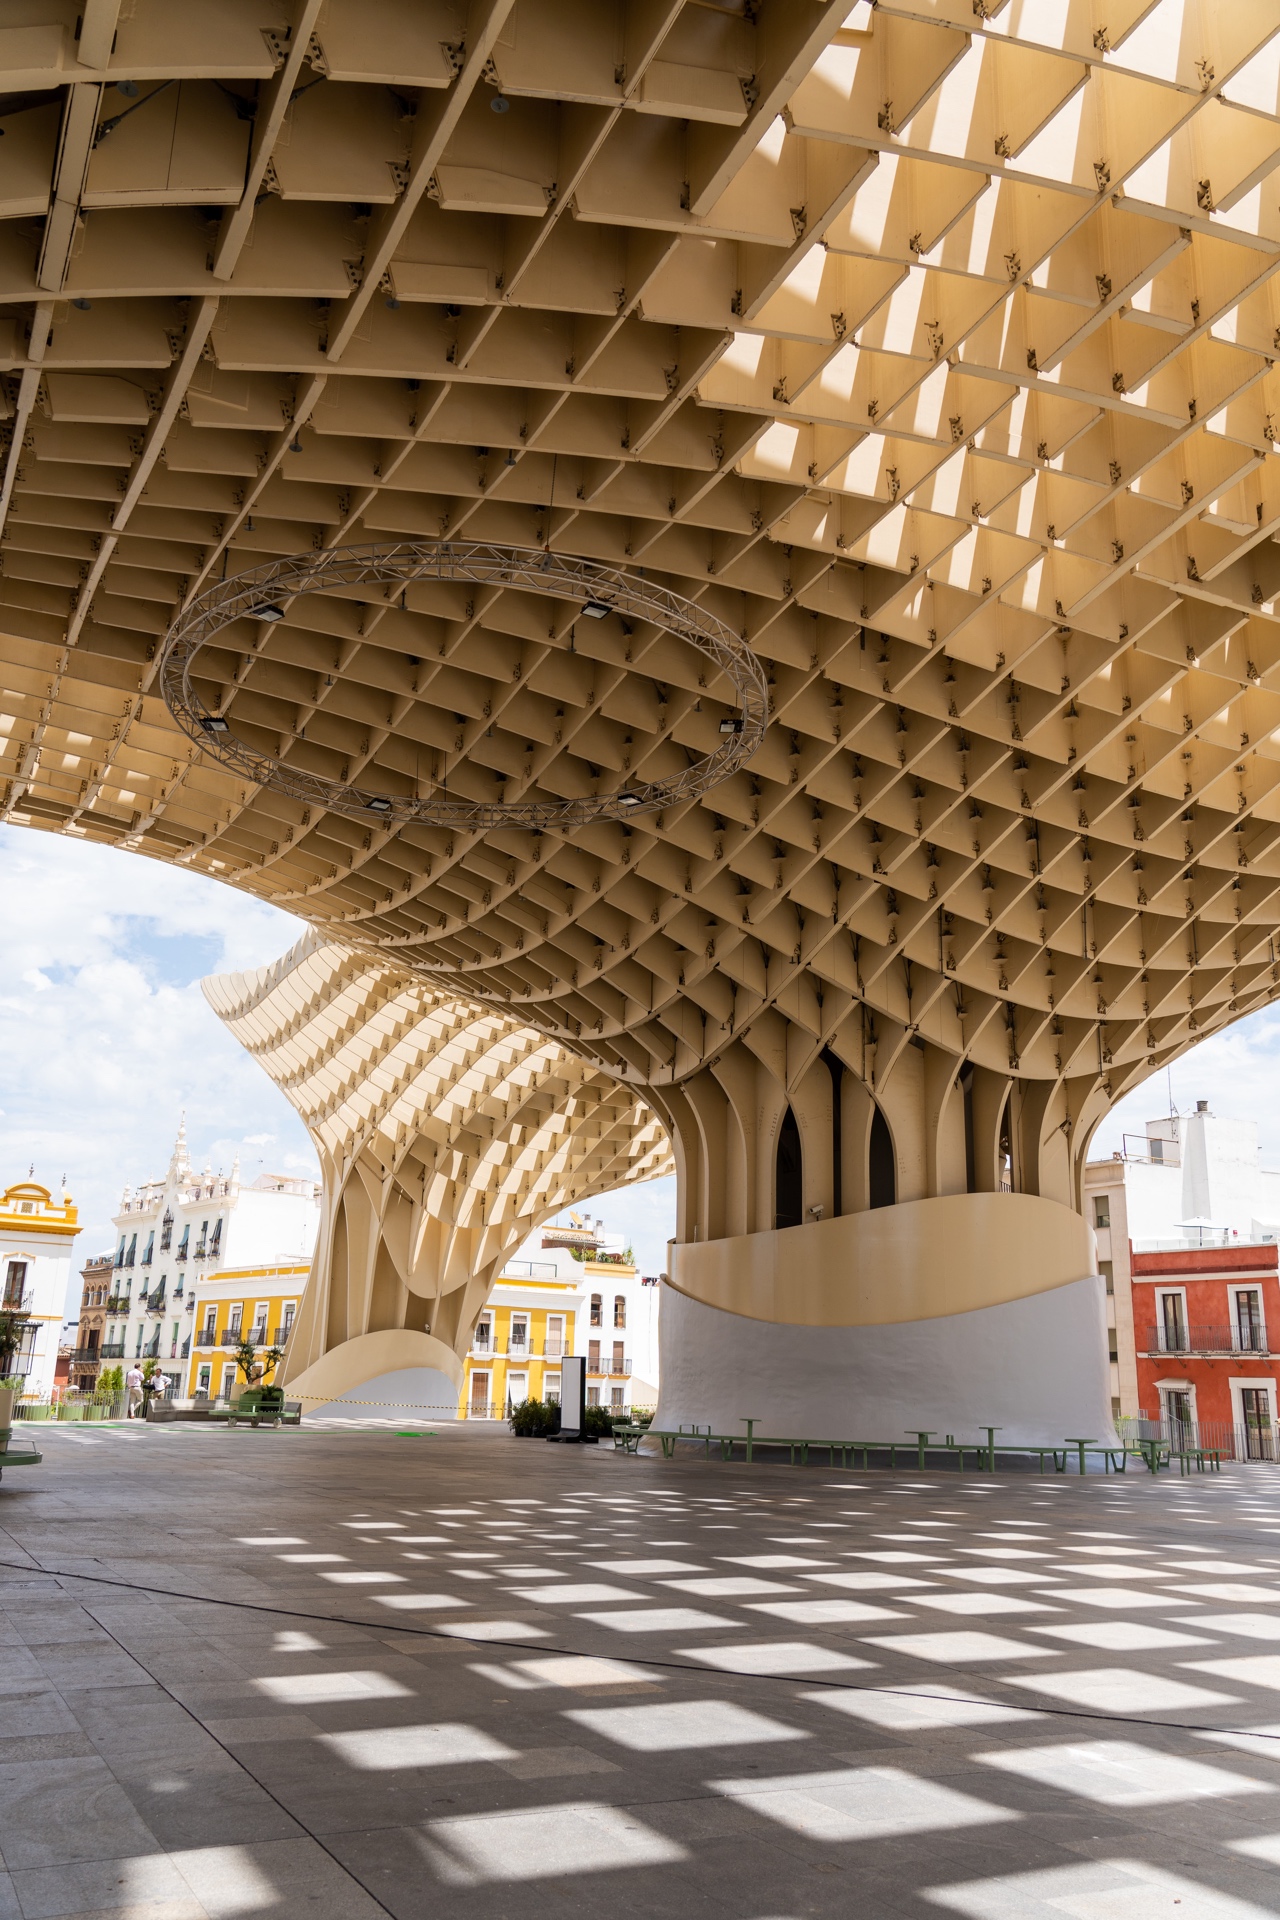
(1237, 1072)
(106, 1039)
(105, 1036)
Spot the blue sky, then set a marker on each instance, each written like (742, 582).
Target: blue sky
(105, 1036)
(1237, 1072)
(105, 1039)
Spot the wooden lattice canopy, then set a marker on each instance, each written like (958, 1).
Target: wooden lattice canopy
(928, 344)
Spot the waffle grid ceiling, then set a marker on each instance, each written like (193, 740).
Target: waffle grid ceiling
(929, 344)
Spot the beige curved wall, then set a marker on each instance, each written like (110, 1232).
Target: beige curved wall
(369, 1355)
(921, 1260)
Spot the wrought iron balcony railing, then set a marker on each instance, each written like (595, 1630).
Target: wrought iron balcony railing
(1199, 1339)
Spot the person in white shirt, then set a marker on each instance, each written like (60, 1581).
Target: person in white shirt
(133, 1381)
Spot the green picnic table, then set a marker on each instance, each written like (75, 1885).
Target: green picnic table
(21, 1454)
(919, 1442)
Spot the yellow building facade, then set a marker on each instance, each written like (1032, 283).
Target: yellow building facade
(541, 1310)
(520, 1339)
(256, 1303)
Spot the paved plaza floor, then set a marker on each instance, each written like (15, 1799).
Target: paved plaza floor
(345, 1674)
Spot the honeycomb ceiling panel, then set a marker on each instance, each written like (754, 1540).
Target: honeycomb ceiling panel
(928, 344)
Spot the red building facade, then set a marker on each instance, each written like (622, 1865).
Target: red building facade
(1203, 1321)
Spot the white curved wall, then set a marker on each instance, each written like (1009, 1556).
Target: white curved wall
(395, 1374)
(1036, 1367)
(410, 1393)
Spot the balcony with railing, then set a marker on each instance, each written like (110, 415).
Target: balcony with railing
(120, 1303)
(1140, 1149)
(279, 1335)
(113, 1350)
(603, 1366)
(1203, 1340)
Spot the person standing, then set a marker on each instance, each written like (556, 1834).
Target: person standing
(133, 1381)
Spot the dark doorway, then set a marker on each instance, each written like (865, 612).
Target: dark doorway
(882, 1173)
(835, 1067)
(1006, 1147)
(789, 1175)
(1255, 1405)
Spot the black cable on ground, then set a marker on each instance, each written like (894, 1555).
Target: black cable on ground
(383, 1627)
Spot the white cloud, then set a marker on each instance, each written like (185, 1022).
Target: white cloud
(1235, 1071)
(105, 1034)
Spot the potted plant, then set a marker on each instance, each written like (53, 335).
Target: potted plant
(10, 1392)
(597, 1423)
(110, 1386)
(13, 1326)
(535, 1419)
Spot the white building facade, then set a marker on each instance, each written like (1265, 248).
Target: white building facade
(1188, 1180)
(173, 1233)
(37, 1232)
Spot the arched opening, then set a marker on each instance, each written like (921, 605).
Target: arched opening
(788, 1204)
(882, 1173)
(1006, 1146)
(835, 1067)
(970, 1136)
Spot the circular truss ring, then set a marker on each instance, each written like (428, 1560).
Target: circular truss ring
(262, 592)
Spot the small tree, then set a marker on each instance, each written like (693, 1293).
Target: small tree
(271, 1360)
(12, 1328)
(246, 1354)
(152, 1383)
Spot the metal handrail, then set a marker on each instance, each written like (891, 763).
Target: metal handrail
(1195, 1338)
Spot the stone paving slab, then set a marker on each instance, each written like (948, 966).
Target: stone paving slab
(681, 1686)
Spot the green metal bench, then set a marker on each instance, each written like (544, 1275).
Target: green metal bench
(1197, 1457)
(257, 1404)
(669, 1435)
(627, 1436)
(919, 1443)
